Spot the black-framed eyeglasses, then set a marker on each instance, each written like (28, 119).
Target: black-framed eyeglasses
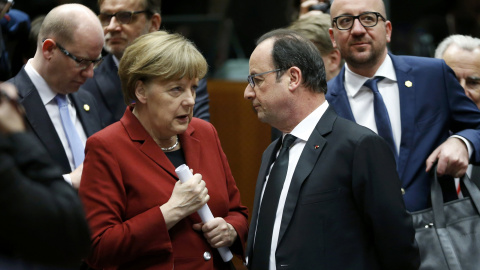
(81, 63)
(367, 19)
(251, 80)
(123, 17)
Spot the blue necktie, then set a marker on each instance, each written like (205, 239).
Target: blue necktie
(382, 119)
(268, 208)
(73, 138)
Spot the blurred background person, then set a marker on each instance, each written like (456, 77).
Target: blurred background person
(43, 224)
(60, 113)
(123, 21)
(141, 216)
(462, 54)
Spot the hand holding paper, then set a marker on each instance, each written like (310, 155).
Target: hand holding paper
(204, 212)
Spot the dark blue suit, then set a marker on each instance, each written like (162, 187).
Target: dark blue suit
(105, 86)
(430, 108)
(41, 124)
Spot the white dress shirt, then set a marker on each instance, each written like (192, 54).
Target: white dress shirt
(302, 131)
(47, 95)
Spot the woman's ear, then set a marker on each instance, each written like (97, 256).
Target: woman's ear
(141, 92)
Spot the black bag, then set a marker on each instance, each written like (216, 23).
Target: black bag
(448, 235)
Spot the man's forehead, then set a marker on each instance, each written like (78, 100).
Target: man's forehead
(117, 5)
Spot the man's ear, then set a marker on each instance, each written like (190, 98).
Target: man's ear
(332, 38)
(155, 22)
(141, 92)
(295, 75)
(48, 47)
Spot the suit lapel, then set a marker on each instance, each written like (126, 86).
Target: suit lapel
(308, 159)
(406, 88)
(109, 86)
(193, 155)
(39, 120)
(84, 109)
(268, 157)
(337, 97)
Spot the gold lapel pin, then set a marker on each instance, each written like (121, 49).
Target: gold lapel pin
(408, 84)
(86, 107)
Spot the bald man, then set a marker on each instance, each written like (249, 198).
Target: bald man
(58, 111)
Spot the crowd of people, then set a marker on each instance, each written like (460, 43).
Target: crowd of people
(95, 123)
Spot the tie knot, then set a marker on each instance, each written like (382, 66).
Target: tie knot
(372, 83)
(288, 140)
(61, 100)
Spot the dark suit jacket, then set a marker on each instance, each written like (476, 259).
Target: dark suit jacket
(126, 178)
(42, 218)
(41, 124)
(344, 209)
(434, 104)
(105, 86)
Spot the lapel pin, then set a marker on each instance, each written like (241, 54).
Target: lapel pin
(316, 147)
(408, 84)
(86, 107)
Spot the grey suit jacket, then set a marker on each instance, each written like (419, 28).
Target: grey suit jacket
(41, 124)
(344, 208)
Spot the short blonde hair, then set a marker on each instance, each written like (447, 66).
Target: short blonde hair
(159, 55)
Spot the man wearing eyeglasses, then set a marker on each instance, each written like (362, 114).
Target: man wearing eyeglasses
(412, 102)
(322, 199)
(123, 21)
(58, 111)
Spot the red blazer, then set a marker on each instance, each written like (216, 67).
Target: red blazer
(126, 177)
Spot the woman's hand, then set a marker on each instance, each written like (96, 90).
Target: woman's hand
(186, 198)
(218, 232)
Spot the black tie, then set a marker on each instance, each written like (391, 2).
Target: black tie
(268, 208)
(382, 119)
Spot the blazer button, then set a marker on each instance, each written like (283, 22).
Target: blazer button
(207, 256)
(403, 191)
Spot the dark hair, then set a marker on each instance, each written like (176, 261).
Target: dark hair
(151, 6)
(292, 49)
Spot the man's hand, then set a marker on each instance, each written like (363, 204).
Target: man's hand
(76, 176)
(452, 156)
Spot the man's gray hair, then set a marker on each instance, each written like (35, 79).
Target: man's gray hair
(467, 43)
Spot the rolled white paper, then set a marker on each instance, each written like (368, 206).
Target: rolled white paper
(184, 174)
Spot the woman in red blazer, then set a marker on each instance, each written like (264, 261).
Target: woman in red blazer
(140, 215)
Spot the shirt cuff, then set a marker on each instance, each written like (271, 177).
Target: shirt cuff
(467, 143)
(68, 179)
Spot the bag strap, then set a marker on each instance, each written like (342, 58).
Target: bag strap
(437, 197)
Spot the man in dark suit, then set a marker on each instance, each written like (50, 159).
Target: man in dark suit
(462, 55)
(123, 21)
(338, 204)
(422, 97)
(69, 46)
(43, 222)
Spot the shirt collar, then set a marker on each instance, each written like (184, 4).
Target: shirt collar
(354, 82)
(45, 92)
(305, 128)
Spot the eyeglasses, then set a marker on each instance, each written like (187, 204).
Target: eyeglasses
(81, 63)
(123, 17)
(367, 19)
(251, 80)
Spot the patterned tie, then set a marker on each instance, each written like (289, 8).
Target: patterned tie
(382, 119)
(73, 138)
(268, 208)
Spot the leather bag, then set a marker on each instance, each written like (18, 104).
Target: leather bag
(448, 234)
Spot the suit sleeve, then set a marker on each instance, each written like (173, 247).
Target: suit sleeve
(238, 213)
(43, 219)
(115, 240)
(378, 195)
(465, 116)
(201, 108)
